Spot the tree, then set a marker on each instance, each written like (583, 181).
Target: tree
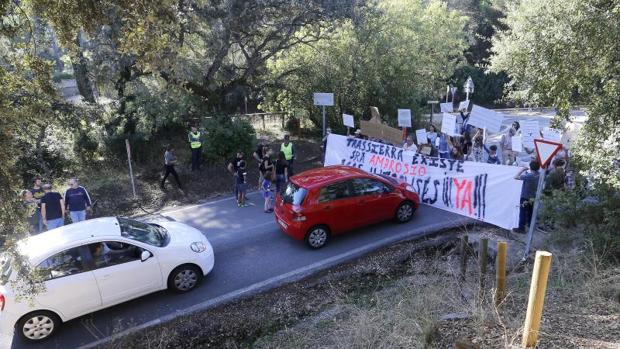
(391, 54)
(565, 53)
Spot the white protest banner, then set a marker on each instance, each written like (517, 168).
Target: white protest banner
(552, 134)
(421, 136)
(326, 99)
(464, 105)
(483, 117)
(446, 107)
(348, 121)
(448, 124)
(517, 144)
(404, 117)
(482, 191)
(530, 131)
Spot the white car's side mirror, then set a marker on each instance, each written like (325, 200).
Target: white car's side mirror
(145, 255)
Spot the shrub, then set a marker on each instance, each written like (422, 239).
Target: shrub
(225, 137)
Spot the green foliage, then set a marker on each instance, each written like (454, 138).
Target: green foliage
(227, 136)
(565, 53)
(489, 86)
(392, 54)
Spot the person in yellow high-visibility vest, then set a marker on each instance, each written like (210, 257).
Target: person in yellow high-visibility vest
(289, 152)
(195, 143)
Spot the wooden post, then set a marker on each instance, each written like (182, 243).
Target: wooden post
(483, 256)
(500, 287)
(464, 245)
(536, 301)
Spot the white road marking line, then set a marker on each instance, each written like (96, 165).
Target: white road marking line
(275, 281)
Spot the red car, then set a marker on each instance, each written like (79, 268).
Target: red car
(327, 201)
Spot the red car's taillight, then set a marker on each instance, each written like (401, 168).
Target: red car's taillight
(2, 301)
(298, 217)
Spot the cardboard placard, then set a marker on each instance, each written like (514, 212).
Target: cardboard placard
(348, 120)
(464, 105)
(448, 124)
(483, 117)
(421, 136)
(404, 117)
(384, 132)
(446, 107)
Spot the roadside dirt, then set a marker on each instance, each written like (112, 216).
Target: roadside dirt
(409, 295)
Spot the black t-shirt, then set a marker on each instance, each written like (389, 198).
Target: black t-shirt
(280, 166)
(235, 163)
(259, 151)
(53, 209)
(266, 164)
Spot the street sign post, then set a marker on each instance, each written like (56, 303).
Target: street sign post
(323, 99)
(432, 104)
(133, 185)
(545, 150)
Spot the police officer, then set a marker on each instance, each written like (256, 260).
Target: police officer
(195, 143)
(289, 152)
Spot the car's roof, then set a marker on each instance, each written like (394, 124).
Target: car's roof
(324, 175)
(38, 246)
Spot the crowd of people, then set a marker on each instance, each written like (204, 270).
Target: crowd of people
(47, 209)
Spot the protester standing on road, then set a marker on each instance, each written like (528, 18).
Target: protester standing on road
(431, 135)
(52, 208)
(267, 194)
(38, 193)
(195, 143)
(241, 183)
(32, 212)
(289, 152)
(528, 193)
(410, 145)
(233, 166)
(477, 150)
(258, 155)
(282, 172)
(170, 160)
(508, 155)
(77, 201)
(266, 166)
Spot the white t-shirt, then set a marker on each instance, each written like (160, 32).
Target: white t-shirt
(412, 147)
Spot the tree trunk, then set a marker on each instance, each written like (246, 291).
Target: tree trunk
(80, 70)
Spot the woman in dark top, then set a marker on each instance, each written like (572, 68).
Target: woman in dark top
(281, 172)
(466, 144)
(266, 165)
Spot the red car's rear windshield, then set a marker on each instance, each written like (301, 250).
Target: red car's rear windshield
(294, 194)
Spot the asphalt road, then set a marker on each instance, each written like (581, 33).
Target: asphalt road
(251, 255)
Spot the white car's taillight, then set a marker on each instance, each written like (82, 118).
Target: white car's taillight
(198, 247)
(2, 301)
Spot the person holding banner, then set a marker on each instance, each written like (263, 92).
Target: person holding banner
(478, 145)
(410, 145)
(442, 143)
(528, 193)
(431, 135)
(508, 155)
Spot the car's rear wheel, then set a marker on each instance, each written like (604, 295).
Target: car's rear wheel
(184, 278)
(317, 236)
(404, 212)
(38, 325)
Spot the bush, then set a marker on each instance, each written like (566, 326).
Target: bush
(227, 136)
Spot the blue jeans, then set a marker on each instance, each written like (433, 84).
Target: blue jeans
(77, 216)
(55, 223)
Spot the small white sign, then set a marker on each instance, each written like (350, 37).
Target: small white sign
(530, 131)
(348, 120)
(404, 117)
(517, 144)
(421, 136)
(446, 107)
(326, 99)
(483, 117)
(552, 134)
(464, 105)
(448, 124)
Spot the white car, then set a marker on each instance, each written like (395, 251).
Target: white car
(96, 264)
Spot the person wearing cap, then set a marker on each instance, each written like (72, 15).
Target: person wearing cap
(77, 201)
(289, 152)
(195, 143)
(52, 208)
(38, 193)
